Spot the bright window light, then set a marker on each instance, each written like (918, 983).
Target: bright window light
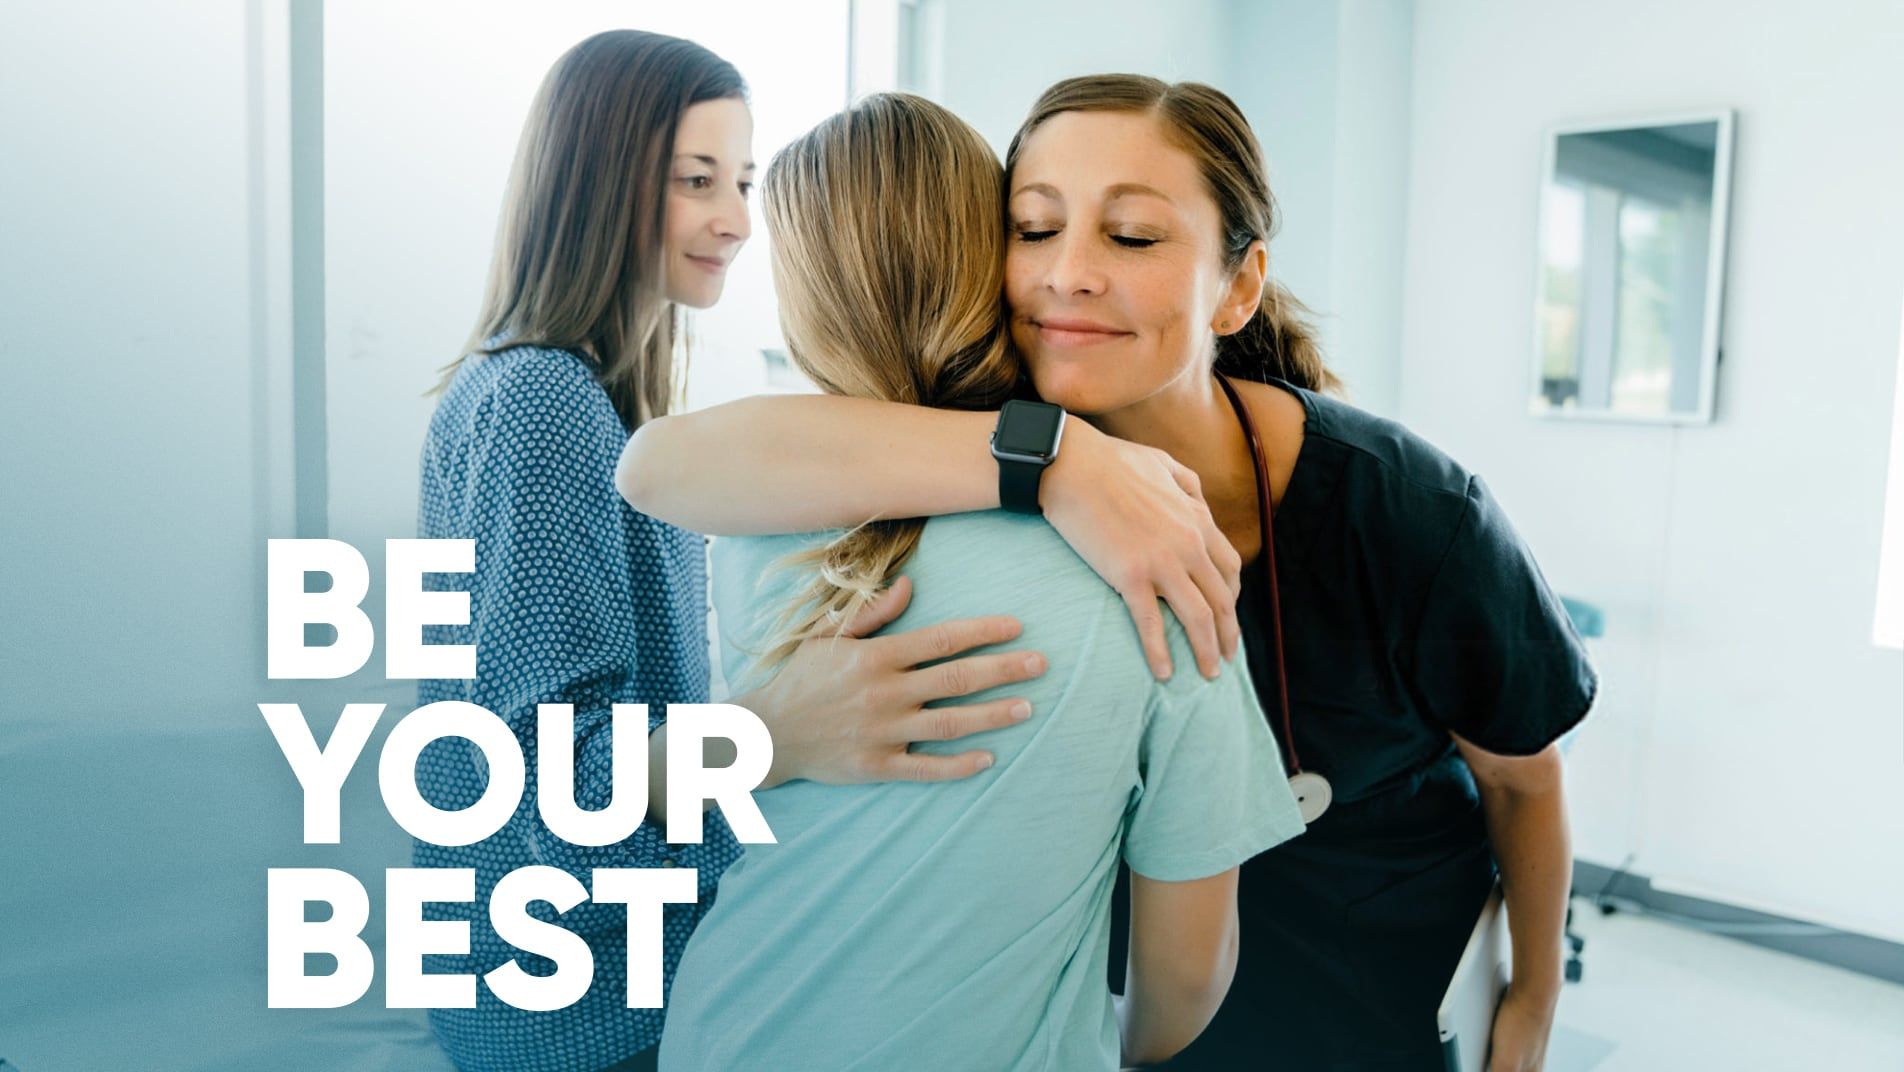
(1888, 630)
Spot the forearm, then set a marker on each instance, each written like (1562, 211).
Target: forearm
(1165, 1010)
(1535, 855)
(796, 463)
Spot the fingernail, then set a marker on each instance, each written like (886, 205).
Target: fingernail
(1020, 711)
(1162, 671)
(984, 762)
(1035, 663)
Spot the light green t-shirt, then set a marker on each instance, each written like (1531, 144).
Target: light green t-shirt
(967, 924)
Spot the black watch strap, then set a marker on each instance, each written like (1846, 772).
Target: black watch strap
(1018, 486)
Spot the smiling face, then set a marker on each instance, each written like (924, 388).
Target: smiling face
(707, 220)
(1115, 271)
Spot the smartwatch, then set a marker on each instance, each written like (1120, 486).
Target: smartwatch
(1025, 442)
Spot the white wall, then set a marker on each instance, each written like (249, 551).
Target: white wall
(1748, 742)
(135, 473)
(998, 55)
(1282, 68)
(1326, 87)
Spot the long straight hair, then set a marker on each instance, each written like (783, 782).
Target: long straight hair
(578, 259)
(1208, 125)
(888, 256)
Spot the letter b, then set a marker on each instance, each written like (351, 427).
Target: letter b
(288, 608)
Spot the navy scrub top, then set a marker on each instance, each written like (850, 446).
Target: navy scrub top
(1410, 610)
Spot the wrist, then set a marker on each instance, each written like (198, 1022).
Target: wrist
(1537, 992)
(1081, 441)
(1025, 443)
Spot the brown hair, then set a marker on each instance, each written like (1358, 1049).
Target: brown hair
(578, 257)
(1210, 127)
(889, 260)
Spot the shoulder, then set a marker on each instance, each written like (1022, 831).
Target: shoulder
(524, 382)
(981, 535)
(995, 561)
(529, 404)
(1385, 477)
(1388, 447)
(1372, 484)
(1001, 562)
(983, 556)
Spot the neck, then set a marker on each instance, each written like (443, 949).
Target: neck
(1193, 422)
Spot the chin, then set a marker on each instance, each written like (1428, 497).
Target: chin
(701, 296)
(1079, 389)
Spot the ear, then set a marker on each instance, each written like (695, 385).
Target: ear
(1245, 294)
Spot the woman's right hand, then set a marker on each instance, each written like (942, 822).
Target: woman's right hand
(845, 710)
(1138, 518)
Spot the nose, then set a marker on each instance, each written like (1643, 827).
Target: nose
(1074, 268)
(733, 222)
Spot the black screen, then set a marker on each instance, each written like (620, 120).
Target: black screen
(1028, 428)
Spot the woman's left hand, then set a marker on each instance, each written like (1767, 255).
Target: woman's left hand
(1521, 1027)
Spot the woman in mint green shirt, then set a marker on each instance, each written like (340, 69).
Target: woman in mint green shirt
(962, 925)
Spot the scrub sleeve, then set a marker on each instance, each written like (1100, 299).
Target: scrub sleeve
(1496, 659)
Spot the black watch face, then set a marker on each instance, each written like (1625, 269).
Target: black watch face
(1027, 428)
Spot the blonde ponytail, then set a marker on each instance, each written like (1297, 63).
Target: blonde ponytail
(888, 255)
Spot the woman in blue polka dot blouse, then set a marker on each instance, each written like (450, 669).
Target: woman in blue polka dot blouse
(628, 199)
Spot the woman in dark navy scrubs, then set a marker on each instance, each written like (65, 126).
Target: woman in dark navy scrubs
(1427, 668)
(1417, 628)
(1398, 631)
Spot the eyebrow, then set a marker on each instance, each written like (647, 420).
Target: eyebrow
(710, 161)
(1111, 193)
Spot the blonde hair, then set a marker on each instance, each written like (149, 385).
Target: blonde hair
(1208, 125)
(578, 256)
(886, 223)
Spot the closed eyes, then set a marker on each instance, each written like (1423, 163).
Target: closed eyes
(1034, 235)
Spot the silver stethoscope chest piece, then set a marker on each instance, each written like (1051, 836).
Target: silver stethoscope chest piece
(1313, 794)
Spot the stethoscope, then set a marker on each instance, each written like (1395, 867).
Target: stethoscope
(1312, 790)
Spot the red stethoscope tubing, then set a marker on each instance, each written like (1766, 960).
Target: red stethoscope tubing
(1266, 522)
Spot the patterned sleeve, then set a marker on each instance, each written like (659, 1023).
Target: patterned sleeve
(551, 598)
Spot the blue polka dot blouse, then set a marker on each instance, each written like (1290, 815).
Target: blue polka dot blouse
(576, 598)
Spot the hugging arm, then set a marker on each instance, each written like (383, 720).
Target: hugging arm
(795, 463)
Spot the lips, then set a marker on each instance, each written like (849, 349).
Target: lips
(1071, 331)
(708, 264)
